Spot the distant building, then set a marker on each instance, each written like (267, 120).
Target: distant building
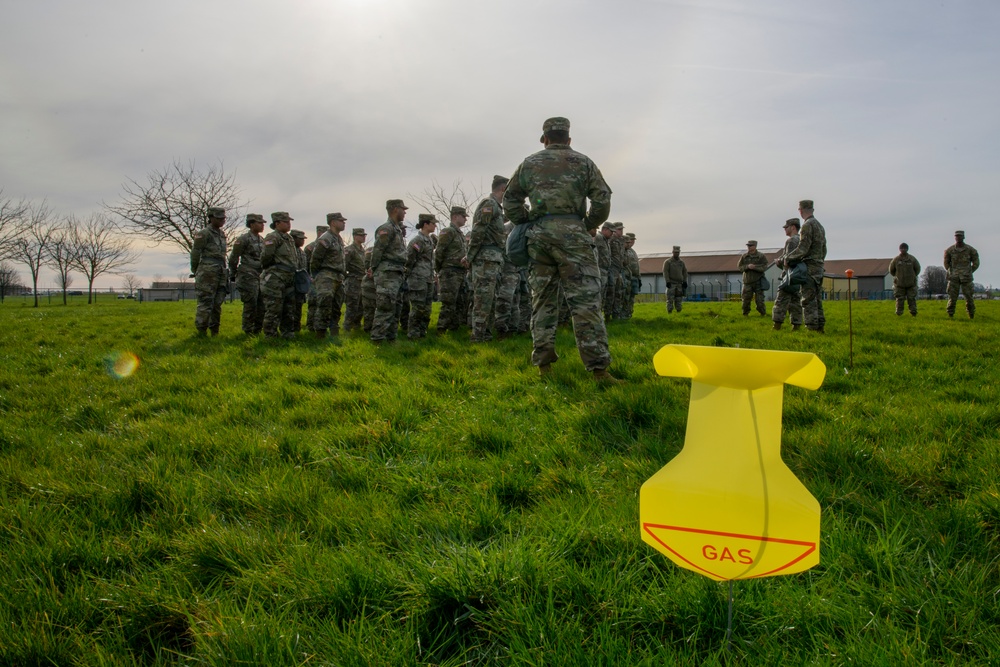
(168, 291)
(871, 278)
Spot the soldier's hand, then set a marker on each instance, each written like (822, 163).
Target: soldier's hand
(465, 262)
(668, 285)
(684, 285)
(190, 275)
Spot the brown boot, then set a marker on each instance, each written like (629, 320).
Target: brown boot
(796, 327)
(545, 370)
(777, 326)
(320, 333)
(602, 376)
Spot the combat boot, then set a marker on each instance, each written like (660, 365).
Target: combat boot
(602, 376)
(544, 371)
(796, 327)
(214, 332)
(320, 333)
(776, 326)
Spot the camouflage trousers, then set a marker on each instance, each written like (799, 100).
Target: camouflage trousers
(907, 295)
(620, 297)
(368, 298)
(789, 303)
(421, 298)
(248, 283)
(753, 292)
(352, 302)
(966, 287)
(506, 312)
(210, 286)
(388, 282)
(675, 297)
(451, 282)
(812, 301)
(329, 287)
(403, 306)
(562, 255)
(485, 278)
(629, 301)
(524, 305)
(280, 299)
(609, 296)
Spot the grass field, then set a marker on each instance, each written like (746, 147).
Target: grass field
(237, 501)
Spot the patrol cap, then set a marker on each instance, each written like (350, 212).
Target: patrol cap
(459, 210)
(677, 248)
(425, 218)
(608, 225)
(216, 212)
(330, 217)
(394, 203)
(254, 217)
(792, 222)
(555, 123)
(298, 233)
(280, 216)
(806, 203)
(359, 231)
(499, 180)
(619, 225)
(959, 232)
(631, 236)
(904, 246)
(751, 242)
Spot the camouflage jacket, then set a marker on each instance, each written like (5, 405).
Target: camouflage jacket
(279, 252)
(758, 259)
(354, 259)
(904, 269)
(558, 181)
(961, 261)
(245, 255)
(209, 247)
(812, 246)
(302, 261)
(389, 251)
(419, 260)
(674, 272)
(487, 236)
(632, 262)
(603, 252)
(791, 243)
(450, 249)
(617, 250)
(328, 254)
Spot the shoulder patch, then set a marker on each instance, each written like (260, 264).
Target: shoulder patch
(488, 209)
(324, 243)
(268, 242)
(383, 232)
(199, 235)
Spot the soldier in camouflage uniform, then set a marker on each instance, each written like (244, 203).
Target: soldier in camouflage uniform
(450, 264)
(354, 264)
(788, 300)
(327, 269)
(419, 271)
(485, 255)
(812, 251)
(603, 251)
(208, 264)
(675, 276)
(524, 303)
(634, 275)
(558, 181)
(279, 260)
(299, 237)
(904, 269)
(368, 294)
(753, 264)
(506, 314)
(388, 258)
(616, 247)
(961, 261)
(244, 263)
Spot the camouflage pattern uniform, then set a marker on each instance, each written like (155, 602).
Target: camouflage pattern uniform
(312, 303)
(603, 251)
(328, 271)
(244, 263)
(368, 294)
(388, 258)
(787, 301)
(279, 260)
(961, 261)
(524, 303)
(675, 276)
(619, 259)
(904, 269)
(302, 265)
(616, 249)
(354, 264)
(451, 271)
(558, 181)
(752, 291)
(634, 279)
(208, 264)
(419, 271)
(812, 251)
(506, 314)
(486, 243)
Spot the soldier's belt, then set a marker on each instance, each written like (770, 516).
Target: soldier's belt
(562, 216)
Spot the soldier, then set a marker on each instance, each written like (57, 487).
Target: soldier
(327, 269)
(603, 250)
(558, 181)
(388, 257)
(419, 271)
(450, 264)
(486, 245)
(961, 261)
(675, 276)
(506, 314)
(279, 261)
(354, 265)
(299, 237)
(634, 285)
(617, 256)
(904, 269)
(621, 292)
(812, 251)
(244, 264)
(753, 264)
(208, 265)
(368, 295)
(788, 299)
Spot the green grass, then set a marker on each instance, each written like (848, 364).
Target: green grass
(240, 501)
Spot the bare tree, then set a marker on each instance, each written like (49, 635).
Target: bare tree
(934, 280)
(101, 248)
(61, 254)
(438, 199)
(29, 244)
(130, 283)
(157, 278)
(171, 205)
(10, 282)
(10, 211)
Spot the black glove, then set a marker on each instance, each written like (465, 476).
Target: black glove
(684, 285)
(190, 275)
(668, 285)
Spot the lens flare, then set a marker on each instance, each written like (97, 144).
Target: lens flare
(121, 365)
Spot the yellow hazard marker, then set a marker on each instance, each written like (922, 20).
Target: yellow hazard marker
(727, 506)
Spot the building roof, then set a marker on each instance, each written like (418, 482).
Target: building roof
(723, 261)
(863, 268)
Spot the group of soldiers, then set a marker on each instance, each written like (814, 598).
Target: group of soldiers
(960, 263)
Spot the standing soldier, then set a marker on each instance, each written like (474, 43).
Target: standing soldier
(811, 251)
(450, 263)
(486, 245)
(354, 264)
(603, 250)
(506, 314)
(753, 264)
(244, 263)
(279, 260)
(612, 304)
(558, 181)
(299, 237)
(675, 276)
(634, 275)
(788, 299)
(388, 257)
(327, 269)
(960, 261)
(208, 265)
(368, 295)
(904, 269)
(419, 271)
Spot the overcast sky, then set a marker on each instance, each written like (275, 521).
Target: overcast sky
(710, 119)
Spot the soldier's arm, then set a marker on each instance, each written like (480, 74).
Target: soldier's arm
(381, 239)
(684, 272)
(805, 243)
(975, 259)
(892, 267)
(513, 199)
(196, 249)
(318, 255)
(916, 267)
(267, 254)
(947, 261)
(600, 199)
(235, 254)
(444, 240)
